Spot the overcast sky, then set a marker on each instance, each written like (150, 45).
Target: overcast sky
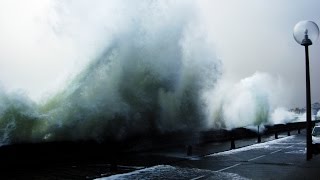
(42, 41)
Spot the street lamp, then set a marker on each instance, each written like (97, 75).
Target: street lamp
(306, 32)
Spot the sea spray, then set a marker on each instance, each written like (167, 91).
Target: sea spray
(248, 102)
(282, 115)
(149, 80)
(19, 119)
(151, 69)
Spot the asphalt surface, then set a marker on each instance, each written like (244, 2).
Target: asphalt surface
(279, 159)
(283, 158)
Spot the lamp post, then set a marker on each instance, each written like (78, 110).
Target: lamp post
(306, 32)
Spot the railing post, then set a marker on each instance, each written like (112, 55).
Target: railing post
(113, 165)
(259, 136)
(233, 145)
(189, 150)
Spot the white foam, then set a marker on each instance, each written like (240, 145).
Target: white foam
(265, 145)
(296, 152)
(171, 172)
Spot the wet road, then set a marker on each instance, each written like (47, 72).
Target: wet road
(272, 160)
(283, 158)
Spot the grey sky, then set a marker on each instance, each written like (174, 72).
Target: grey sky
(39, 50)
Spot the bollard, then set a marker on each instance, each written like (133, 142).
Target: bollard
(113, 166)
(299, 131)
(233, 145)
(276, 135)
(259, 138)
(288, 133)
(259, 135)
(189, 150)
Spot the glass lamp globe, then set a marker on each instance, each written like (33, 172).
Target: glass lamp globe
(306, 32)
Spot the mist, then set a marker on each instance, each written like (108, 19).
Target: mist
(55, 39)
(79, 70)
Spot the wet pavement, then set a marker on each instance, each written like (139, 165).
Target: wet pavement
(282, 158)
(278, 159)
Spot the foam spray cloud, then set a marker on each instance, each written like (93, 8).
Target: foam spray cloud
(253, 101)
(151, 69)
(149, 78)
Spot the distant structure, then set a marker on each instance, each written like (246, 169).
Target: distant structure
(298, 110)
(315, 107)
